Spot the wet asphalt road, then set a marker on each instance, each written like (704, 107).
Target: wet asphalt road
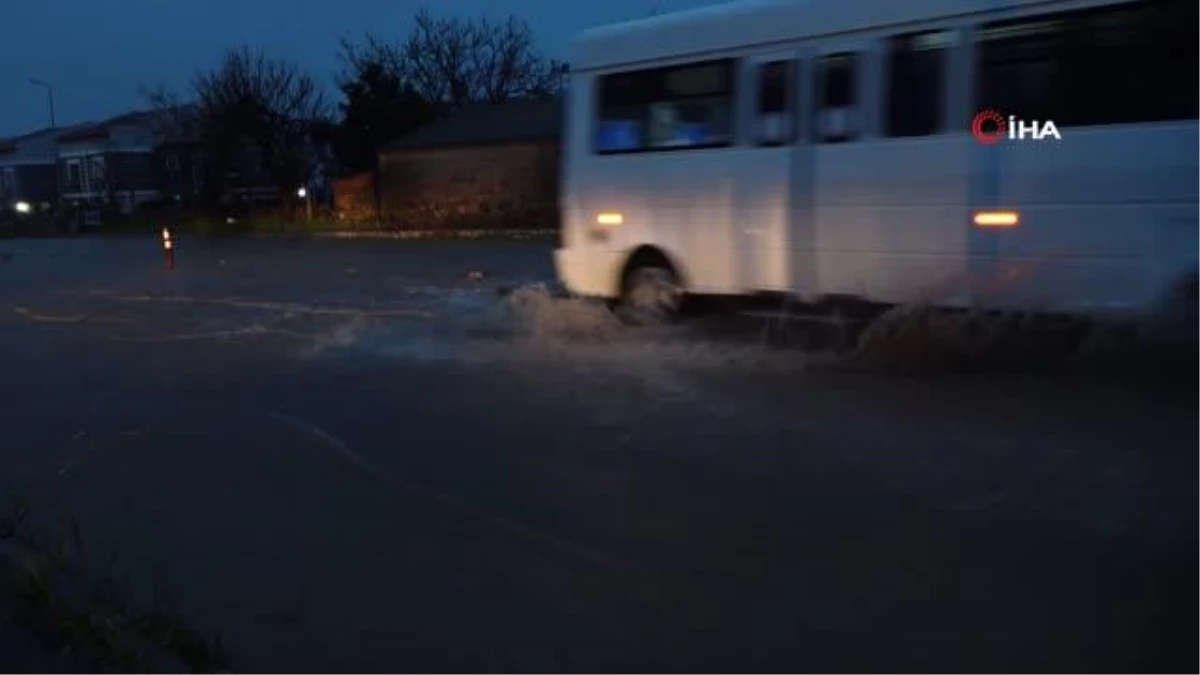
(346, 457)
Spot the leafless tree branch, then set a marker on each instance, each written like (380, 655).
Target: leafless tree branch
(454, 61)
(250, 109)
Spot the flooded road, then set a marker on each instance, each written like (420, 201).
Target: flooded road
(361, 456)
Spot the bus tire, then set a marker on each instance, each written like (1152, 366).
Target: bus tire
(651, 293)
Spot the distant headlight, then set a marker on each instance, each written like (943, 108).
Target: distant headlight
(22, 207)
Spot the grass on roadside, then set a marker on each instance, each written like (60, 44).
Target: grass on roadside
(56, 592)
(268, 225)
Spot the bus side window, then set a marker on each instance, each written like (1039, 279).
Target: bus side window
(1090, 67)
(916, 83)
(673, 108)
(837, 118)
(623, 100)
(775, 121)
(1019, 68)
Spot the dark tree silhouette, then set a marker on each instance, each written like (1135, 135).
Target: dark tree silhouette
(455, 61)
(378, 105)
(253, 118)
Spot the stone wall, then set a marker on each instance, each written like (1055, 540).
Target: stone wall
(354, 198)
(471, 187)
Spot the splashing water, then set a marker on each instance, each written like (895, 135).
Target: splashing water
(545, 317)
(342, 335)
(534, 323)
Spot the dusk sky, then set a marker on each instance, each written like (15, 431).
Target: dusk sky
(96, 53)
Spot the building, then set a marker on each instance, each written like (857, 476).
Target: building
(111, 163)
(486, 166)
(28, 169)
(148, 157)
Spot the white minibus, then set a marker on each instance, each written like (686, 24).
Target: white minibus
(1010, 154)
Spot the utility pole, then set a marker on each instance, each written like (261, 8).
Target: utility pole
(49, 95)
(302, 193)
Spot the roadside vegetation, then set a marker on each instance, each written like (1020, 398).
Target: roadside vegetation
(271, 225)
(66, 609)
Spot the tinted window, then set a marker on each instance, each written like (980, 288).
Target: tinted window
(1021, 68)
(916, 83)
(1125, 63)
(666, 108)
(773, 87)
(837, 114)
(776, 118)
(838, 72)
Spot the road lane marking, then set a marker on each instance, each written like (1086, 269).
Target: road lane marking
(48, 318)
(493, 520)
(253, 329)
(69, 318)
(285, 307)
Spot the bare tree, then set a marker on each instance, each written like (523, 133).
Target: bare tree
(251, 114)
(454, 61)
(177, 127)
(373, 51)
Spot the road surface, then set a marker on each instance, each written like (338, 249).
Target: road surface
(346, 456)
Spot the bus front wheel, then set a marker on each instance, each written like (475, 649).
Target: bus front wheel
(651, 294)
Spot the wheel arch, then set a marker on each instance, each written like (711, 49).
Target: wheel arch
(648, 255)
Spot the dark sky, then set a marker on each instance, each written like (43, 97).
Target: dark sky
(96, 53)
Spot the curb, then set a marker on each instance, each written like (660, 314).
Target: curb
(437, 234)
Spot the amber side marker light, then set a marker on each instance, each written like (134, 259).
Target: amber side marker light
(610, 219)
(997, 219)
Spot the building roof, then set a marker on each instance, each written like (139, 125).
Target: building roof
(92, 130)
(511, 122)
(9, 144)
(34, 144)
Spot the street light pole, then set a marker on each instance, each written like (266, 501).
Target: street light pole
(49, 95)
(302, 193)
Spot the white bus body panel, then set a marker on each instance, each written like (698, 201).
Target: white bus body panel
(1109, 219)
(1108, 215)
(732, 25)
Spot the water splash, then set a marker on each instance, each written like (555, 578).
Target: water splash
(343, 334)
(543, 316)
